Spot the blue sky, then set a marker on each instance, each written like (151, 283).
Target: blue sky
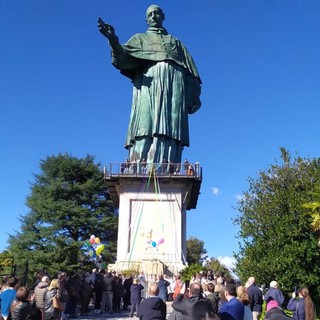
(260, 67)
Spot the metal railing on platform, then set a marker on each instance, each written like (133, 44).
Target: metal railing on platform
(160, 169)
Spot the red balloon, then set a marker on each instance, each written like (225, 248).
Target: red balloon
(91, 240)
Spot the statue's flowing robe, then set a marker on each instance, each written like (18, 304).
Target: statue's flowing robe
(166, 88)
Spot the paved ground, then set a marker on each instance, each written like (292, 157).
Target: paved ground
(124, 314)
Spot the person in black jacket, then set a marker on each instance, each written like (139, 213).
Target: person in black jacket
(22, 308)
(98, 283)
(256, 299)
(118, 293)
(73, 289)
(85, 293)
(193, 308)
(214, 297)
(153, 307)
(127, 293)
(274, 312)
(135, 299)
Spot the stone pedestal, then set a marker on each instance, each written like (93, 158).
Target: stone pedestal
(152, 220)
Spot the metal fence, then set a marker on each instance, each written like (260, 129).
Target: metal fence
(21, 272)
(144, 168)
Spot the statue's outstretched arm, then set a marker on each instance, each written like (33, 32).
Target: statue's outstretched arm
(108, 31)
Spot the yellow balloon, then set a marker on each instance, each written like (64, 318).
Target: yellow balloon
(99, 249)
(97, 240)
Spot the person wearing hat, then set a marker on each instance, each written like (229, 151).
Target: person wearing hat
(274, 312)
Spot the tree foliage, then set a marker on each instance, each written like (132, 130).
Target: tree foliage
(276, 239)
(314, 207)
(214, 264)
(69, 201)
(6, 262)
(188, 272)
(195, 250)
(218, 267)
(197, 260)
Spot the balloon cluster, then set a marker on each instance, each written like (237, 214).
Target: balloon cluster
(150, 240)
(93, 247)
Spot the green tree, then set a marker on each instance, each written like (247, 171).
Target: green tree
(6, 263)
(314, 208)
(188, 272)
(218, 267)
(276, 240)
(69, 201)
(195, 250)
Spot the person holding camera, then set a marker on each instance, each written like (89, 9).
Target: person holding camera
(302, 305)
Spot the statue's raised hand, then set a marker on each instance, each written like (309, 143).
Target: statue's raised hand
(106, 29)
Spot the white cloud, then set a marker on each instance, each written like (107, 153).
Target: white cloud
(215, 191)
(229, 262)
(239, 197)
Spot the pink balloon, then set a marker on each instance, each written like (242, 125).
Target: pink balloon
(160, 241)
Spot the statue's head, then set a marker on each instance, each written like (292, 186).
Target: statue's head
(154, 16)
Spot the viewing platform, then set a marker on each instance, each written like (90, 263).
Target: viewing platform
(186, 173)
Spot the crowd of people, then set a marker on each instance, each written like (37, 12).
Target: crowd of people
(205, 296)
(231, 301)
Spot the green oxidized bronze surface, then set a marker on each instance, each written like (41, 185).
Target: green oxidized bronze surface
(166, 88)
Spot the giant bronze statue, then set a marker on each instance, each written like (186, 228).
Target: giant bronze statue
(166, 88)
